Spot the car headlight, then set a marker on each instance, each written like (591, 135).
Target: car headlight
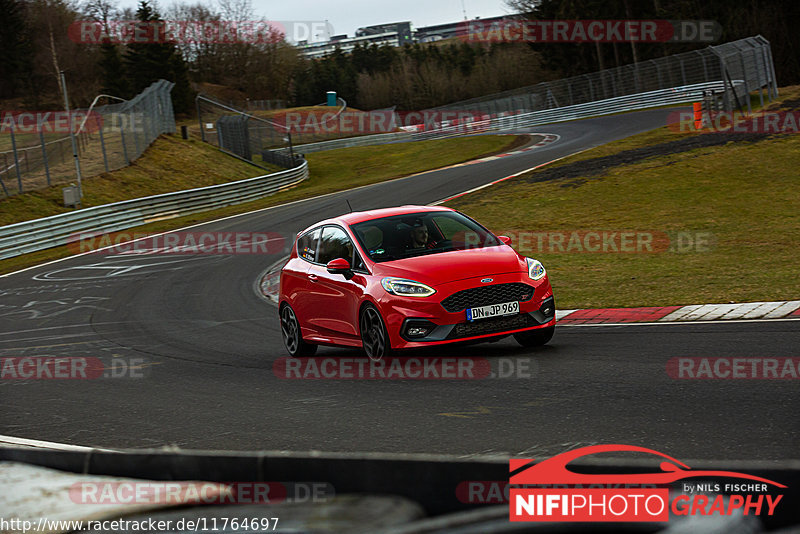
(406, 288)
(535, 269)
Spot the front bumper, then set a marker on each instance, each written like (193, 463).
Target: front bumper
(428, 323)
(495, 326)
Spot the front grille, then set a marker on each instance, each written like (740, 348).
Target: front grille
(494, 325)
(486, 295)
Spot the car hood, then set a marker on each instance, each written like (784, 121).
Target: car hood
(443, 267)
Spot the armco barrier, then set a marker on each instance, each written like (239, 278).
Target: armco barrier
(39, 234)
(347, 142)
(505, 122)
(621, 104)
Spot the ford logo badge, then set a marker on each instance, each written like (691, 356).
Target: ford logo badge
(487, 280)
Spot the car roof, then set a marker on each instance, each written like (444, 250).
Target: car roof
(362, 216)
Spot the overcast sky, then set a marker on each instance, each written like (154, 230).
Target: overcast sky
(348, 15)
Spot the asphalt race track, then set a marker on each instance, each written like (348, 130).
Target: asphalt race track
(202, 345)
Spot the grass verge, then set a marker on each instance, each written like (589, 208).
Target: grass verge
(331, 171)
(170, 164)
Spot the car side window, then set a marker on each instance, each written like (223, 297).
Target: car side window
(307, 245)
(334, 244)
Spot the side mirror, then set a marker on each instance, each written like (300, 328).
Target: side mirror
(505, 239)
(338, 266)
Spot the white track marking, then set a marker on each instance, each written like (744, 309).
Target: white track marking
(6, 441)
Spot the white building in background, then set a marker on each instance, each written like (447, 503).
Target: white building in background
(391, 34)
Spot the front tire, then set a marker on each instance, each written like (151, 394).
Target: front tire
(535, 338)
(374, 337)
(292, 337)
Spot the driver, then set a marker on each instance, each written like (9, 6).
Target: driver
(420, 238)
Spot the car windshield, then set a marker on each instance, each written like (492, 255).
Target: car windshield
(417, 234)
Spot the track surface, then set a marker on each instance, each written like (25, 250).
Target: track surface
(206, 344)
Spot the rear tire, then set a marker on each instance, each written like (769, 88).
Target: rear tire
(374, 337)
(292, 337)
(535, 338)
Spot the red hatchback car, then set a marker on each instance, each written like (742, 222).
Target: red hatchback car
(409, 277)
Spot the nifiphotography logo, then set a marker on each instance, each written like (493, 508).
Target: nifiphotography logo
(549, 491)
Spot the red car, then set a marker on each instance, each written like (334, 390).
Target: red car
(409, 277)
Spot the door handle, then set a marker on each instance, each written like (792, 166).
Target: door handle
(313, 277)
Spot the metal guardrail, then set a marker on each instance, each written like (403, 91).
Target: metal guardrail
(504, 122)
(40, 234)
(347, 142)
(620, 104)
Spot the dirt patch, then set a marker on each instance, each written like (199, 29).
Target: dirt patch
(597, 166)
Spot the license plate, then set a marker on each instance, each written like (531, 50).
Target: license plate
(493, 310)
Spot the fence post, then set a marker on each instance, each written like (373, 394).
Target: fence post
(744, 77)
(4, 185)
(705, 69)
(771, 93)
(124, 145)
(44, 155)
(16, 159)
(200, 119)
(758, 78)
(102, 142)
(5, 169)
(133, 133)
(726, 98)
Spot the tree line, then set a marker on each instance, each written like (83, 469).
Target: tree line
(35, 45)
(773, 19)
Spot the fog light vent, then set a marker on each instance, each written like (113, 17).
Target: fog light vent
(417, 328)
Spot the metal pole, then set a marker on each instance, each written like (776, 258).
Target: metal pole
(124, 145)
(44, 155)
(72, 137)
(133, 132)
(200, 119)
(4, 186)
(16, 159)
(744, 77)
(291, 150)
(102, 142)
